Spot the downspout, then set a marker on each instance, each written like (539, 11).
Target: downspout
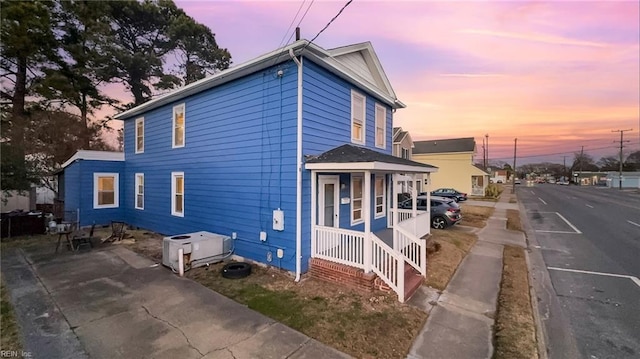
(298, 170)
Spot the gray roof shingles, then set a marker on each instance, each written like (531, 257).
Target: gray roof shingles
(467, 144)
(351, 154)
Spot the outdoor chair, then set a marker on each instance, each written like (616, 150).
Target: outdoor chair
(81, 237)
(118, 231)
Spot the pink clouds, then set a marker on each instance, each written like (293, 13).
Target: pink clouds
(552, 73)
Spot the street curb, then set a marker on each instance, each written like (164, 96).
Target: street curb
(533, 298)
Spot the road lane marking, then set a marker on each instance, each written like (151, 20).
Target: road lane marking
(634, 279)
(560, 232)
(542, 200)
(569, 223)
(588, 205)
(533, 193)
(634, 223)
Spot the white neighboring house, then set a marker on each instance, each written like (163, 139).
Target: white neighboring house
(629, 179)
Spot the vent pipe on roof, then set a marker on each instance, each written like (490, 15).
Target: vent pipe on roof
(297, 33)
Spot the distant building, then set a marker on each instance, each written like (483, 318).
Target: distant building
(585, 178)
(628, 179)
(455, 160)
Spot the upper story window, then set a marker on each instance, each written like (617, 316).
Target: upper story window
(381, 126)
(177, 194)
(380, 194)
(106, 190)
(356, 199)
(358, 117)
(139, 191)
(140, 135)
(405, 153)
(178, 126)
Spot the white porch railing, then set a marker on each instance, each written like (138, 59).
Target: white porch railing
(412, 248)
(388, 265)
(339, 245)
(419, 225)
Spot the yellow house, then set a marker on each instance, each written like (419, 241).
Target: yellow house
(454, 159)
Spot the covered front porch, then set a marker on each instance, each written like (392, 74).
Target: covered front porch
(377, 233)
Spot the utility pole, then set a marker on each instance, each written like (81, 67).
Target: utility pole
(515, 146)
(621, 146)
(487, 137)
(484, 155)
(581, 154)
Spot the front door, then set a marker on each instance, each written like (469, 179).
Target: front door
(329, 201)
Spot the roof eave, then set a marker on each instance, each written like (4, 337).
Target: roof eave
(372, 166)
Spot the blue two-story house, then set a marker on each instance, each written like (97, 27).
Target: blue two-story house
(291, 152)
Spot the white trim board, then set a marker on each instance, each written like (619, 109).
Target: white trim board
(94, 156)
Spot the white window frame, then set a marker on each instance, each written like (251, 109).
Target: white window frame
(184, 126)
(381, 116)
(353, 200)
(377, 195)
(139, 134)
(355, 94)
(174, 177)
(96, 192)
(404, 151)
(139, 183)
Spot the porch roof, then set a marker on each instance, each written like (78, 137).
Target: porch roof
(349, 158)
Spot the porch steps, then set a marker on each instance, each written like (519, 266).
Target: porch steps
(412, 281)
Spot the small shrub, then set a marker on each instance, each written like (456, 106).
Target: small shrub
(492, 191)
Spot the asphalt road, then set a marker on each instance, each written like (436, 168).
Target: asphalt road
(588, 240)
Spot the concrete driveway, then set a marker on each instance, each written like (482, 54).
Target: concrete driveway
(113, 303)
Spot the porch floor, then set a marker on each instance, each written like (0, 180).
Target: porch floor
(386, 235)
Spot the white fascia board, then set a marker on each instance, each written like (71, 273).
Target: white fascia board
(372, 166)
(340, 70)
(94, 156)
(371, 54)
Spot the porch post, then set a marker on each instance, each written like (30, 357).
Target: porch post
(366, 214)
(423, 252)
(414, 205)
(395, 211)
(314, 201)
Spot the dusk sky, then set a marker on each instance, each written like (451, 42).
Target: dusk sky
(556, 75)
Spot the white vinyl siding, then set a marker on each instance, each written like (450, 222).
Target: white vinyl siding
(380, 196)
(106, 190)
(358, 118)
(139, 198)
(177, 194)
(179, 119)
(356, 199)
(140, 135)
(381, 126)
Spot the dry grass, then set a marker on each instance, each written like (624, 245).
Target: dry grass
(475, 216)
(454, 245)
(362, 324)
(345, 319)
(513, 220)
(9, 331)
(515, 329)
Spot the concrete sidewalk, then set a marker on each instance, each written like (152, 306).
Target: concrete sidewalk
(113, 303)
(460, 325)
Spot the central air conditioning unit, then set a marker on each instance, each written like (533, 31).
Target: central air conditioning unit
(199, 248)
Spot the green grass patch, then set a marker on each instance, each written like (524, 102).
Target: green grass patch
(9, 331)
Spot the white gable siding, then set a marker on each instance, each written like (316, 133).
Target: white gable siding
(355, 62)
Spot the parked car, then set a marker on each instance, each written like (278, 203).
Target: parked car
(449, 193)
(445, 212)
(518, 181)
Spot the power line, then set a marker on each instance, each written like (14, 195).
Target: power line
(329, 23)
(291, 24)
(299, 22)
